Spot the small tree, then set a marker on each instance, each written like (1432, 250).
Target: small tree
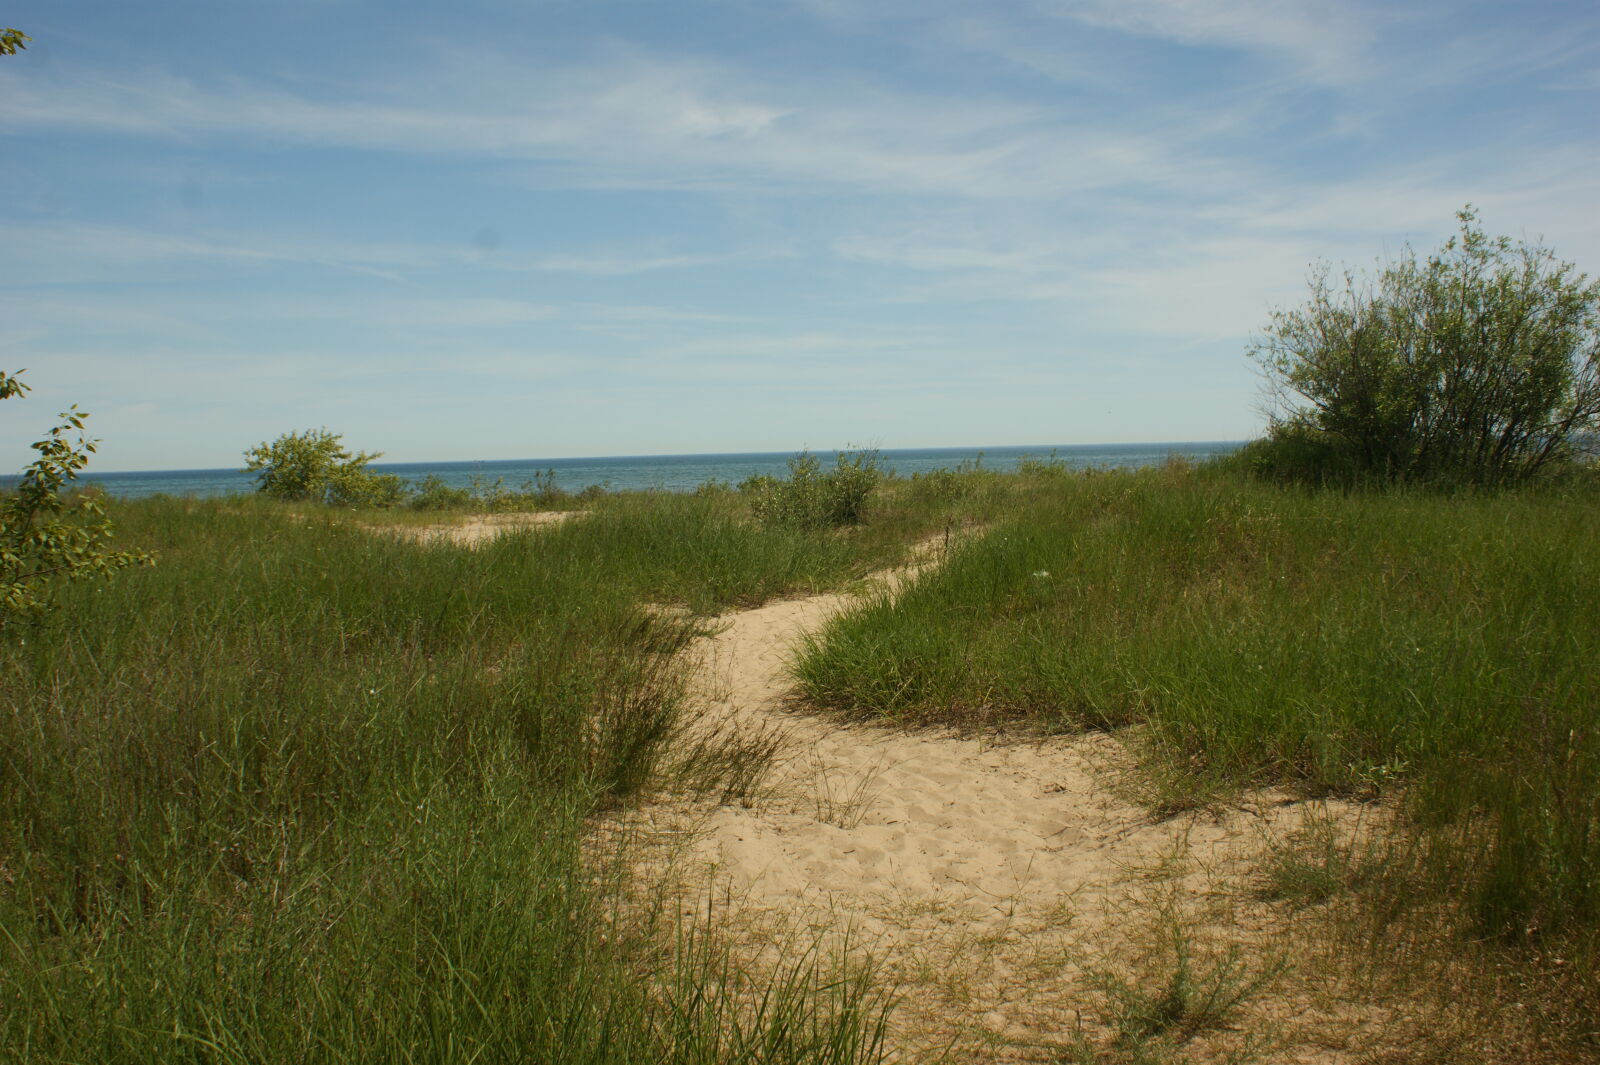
(45, 536)
(1479, 364)
(314, 466)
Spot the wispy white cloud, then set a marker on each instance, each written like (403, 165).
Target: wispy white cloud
(57, 251)
(644, 314)
(1327, 39)
(67, 251)
(170, 319)
(1098, 197)
(620, 265)
(1212, 267)
(653, 122)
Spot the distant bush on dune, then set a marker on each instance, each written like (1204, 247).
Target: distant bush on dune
(812, 498)
(314, 466)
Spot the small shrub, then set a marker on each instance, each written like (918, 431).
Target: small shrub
(713, 487)
(1051, 466)
(544, 488)
(432, 493)
(45, 537)
(494, 496)
(482, 494)
(812, 499)
(940, 486)
(363, 489)
(1294, 451)
(1178, 995)
(314, 466)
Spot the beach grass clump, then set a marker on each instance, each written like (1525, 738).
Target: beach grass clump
(701, 552)
(1438, 646)
(482, 495)
(967, 495)
(306, 793)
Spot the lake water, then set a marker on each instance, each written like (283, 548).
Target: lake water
(673, 473)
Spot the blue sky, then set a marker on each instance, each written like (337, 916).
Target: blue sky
(497, 229)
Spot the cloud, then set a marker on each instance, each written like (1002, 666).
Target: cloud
(652, 122)
(620, 265)
(70, 251)
(1327, 39)
(984, 202)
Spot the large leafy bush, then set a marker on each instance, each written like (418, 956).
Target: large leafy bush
(1479, 364)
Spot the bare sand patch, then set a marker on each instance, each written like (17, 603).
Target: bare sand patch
(479, 529)
(1024, 905)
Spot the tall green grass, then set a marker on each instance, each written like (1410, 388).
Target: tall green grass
(304, 792)
(1338, 643)
(704, 552)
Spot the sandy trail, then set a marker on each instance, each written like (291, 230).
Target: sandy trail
(991, 881)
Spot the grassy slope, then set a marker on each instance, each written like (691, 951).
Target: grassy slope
(1332, 642)
(305, 793)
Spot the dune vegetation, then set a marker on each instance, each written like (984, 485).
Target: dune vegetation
(304, 790)
(1432, 648)
(300, 792)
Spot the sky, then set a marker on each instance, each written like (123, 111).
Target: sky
(535, 229)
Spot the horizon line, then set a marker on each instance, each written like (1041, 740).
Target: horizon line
(89, 475)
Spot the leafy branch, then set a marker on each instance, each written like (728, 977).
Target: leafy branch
(45, 533)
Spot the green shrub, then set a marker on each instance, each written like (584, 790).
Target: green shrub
(812, 499)
(314, 466)
(358, 488)
(1053, 465)
(1294, 451)
(432, 493)
(1480, 364)
(544, 488)
(45, 537)
(757, 484)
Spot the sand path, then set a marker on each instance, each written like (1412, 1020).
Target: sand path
(997, 883)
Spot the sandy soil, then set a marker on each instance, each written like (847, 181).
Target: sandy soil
(1009, 889)
(478, 530)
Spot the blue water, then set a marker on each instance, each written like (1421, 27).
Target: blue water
(673, 473)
